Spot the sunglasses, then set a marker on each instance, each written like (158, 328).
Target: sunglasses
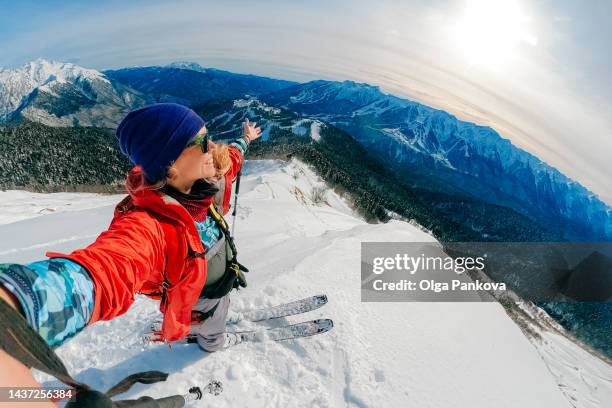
(201, 141)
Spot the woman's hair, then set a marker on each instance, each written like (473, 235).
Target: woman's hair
(136, 183)
(221, 159)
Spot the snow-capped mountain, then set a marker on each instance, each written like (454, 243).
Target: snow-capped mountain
(422, 140)
(401, 354)
(193, 66)
(63, 94)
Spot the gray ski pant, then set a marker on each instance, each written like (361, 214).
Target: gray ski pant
(211, 334)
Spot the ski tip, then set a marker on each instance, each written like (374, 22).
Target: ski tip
(323, 298)
(324, 324)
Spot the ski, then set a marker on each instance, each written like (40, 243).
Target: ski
(286, 309)
(260, 315)
(289, 332)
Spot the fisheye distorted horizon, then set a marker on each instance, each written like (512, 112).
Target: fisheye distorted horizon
(535, 71)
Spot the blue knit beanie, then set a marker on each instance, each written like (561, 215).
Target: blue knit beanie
(154, 136)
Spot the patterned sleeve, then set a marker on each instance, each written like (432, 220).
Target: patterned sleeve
(241, 144)
(237, 149)
(56, 296)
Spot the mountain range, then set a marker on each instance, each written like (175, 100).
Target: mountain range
(416, 139)
(423, 146)
(64, 94)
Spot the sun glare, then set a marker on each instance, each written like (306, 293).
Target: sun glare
(489, 32)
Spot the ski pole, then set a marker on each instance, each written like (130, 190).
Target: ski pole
(236, 200)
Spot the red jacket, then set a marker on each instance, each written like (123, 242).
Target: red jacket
(150, 237)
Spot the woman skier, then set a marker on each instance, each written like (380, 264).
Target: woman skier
(166, 240)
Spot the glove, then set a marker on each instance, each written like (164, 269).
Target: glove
(239, 270)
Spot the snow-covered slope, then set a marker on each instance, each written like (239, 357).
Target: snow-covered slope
(378, 354)
(20, 205)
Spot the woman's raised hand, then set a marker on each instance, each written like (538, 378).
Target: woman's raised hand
(250, 130)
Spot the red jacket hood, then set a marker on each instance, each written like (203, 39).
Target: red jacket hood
(160, 203)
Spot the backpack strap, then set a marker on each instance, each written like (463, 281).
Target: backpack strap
(224, 228)
(25, 345)
(125, 205)
(177, 249)
(234, 277)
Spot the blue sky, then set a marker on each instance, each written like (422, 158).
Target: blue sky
(536, 71)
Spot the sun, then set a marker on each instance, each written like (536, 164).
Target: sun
(490, 32)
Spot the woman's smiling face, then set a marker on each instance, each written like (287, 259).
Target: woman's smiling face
(193, 164)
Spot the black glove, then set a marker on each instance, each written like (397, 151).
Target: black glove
(240, 278)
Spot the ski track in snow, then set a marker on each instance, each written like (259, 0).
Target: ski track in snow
(18, 205)
(430, 355)
(585, 381)
(48, 244)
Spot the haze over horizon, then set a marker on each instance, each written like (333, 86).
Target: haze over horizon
(536, 72)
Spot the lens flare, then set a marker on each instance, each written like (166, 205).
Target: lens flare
(490, 32)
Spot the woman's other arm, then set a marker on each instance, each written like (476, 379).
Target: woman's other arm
(239, 147)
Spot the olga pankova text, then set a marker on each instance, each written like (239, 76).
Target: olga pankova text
(429, 285)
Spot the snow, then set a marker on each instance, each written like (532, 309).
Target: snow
(318, 91)
(315, 131)
(394, 133)
(299, 127)
(255, 103)
(18, 205)
(585, 380)
(441, 158)
(378, 354)
(382, 106)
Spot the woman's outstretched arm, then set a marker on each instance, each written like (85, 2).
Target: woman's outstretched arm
(124, 257)
(239, 147)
